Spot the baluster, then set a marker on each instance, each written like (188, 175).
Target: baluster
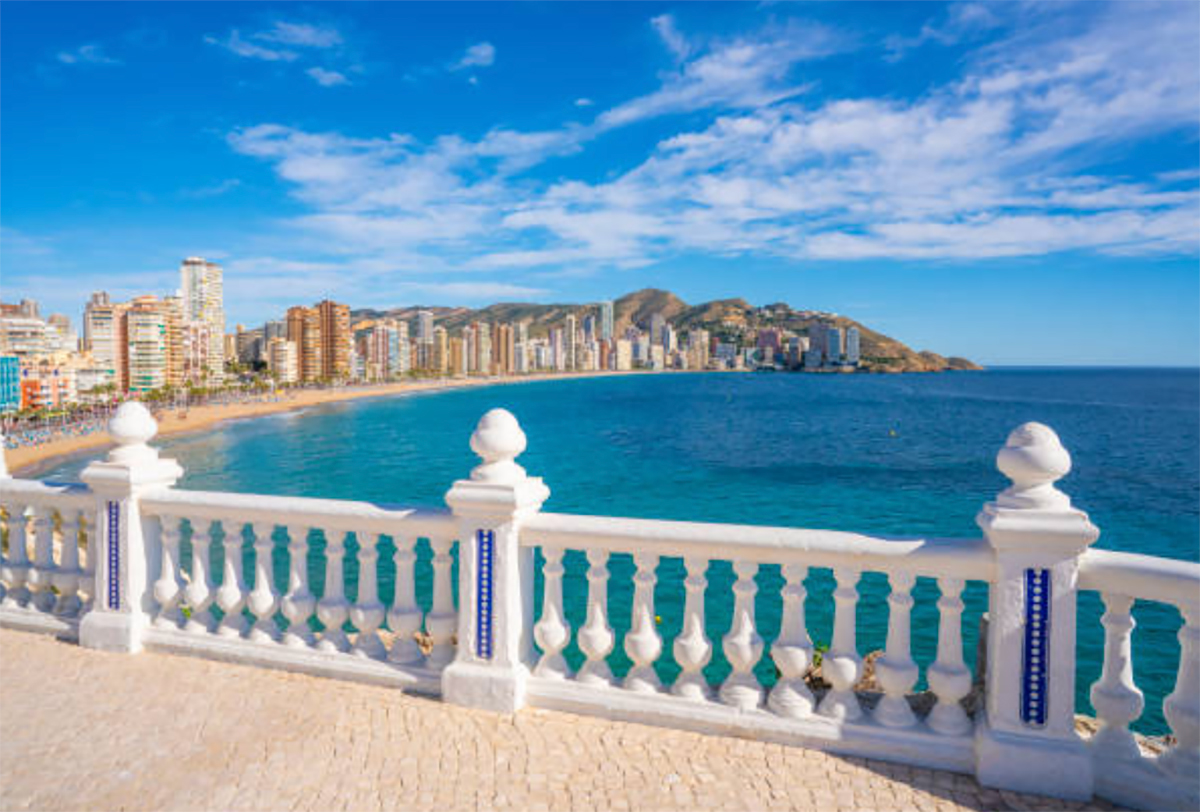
(167, 589)
(86, 583)
(1115, 697)
(41, 577)
(199, 591)
(66, 578)
(949, 678)
(367, 612)
(231, 596)
(264, 600)
(552, 632)
(16, 564)
(841, 665)
(1182, 707)
(404, 618)
(442, 620)
(596, 636)
(298, 604)
(896, 670)
(643, 643)
(333, 609)
(691, 648)
(742, 645)
(793, 650)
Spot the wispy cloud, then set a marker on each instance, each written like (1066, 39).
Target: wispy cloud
(327, 78)
(583, 101)
(236, 44)
(214, 190)
(676, 43)
(1011, 158)
(480, 55)
(90, 54)
(301, 35)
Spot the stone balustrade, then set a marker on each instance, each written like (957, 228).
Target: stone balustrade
(126, 561)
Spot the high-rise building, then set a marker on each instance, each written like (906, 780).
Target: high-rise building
(570, 343)
(337, 341)
(458, 364)
(833, 346)
(606, 321)
(852, 346)
(204, 300)
(104, 336)
(281, 360)
(304, 329)
(658, 323)
(441, 350)
(483, 349)
(146, 344)
(10, 383)
(196, 343)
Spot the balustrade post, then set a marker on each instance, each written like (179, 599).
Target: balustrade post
(495, 617)
(1025, 738)
(124, 551)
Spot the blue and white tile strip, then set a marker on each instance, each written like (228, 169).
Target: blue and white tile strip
(1036, 652)
(483, 625)
(114, 555)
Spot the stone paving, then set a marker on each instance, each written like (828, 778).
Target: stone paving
(81, 729)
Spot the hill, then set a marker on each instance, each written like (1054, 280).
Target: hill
(728, 319)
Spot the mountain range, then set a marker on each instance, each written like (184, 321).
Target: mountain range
(725, 318)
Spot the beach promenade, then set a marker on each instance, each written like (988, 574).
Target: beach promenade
(83, 729)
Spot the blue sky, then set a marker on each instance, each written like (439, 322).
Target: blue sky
(1012, 182)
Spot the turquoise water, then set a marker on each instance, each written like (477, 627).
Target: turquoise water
(910, 454)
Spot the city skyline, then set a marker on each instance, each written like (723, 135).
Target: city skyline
(1007, 183)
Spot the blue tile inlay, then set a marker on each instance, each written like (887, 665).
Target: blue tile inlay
(1036, 653)
(483, 625)
(114, 555)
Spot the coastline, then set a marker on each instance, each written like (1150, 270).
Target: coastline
(174, 422)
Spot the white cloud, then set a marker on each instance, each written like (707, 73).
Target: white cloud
(235, 44)
(583, 101)
(1010, 159)
(676, 43)
(480, 55)
(327, 78)
(215, 190)
(87, 55)
(301, 34)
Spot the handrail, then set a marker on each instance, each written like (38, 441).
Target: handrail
(48, 494)
(967, 558)
(327, 514)
(1147, 577)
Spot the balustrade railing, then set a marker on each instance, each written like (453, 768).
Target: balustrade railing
(443, 602)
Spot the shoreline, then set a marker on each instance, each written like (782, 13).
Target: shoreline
(22, 460)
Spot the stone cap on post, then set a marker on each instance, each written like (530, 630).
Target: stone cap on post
(1032, 514)
(133, 462)
(498, 485)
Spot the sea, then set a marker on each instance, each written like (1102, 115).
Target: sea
(909, 454)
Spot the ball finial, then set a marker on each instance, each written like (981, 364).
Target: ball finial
(131, 428)
(1034, 459)
(498, 440)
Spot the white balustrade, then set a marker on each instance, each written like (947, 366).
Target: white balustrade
(552, 632)
(948, 677)
(367, 613)
(692, 649)
(263, 600)
(333, 609)
(167, 589)
(16, 563)
(896, 671)
(742, 645)
(68, 574)
(1115, 697)
(1182, 707)
(643, 643)
(596, 636)
(793, 650)
(41, 576)
(298, 603)
(199, 591)
(442, 620)
(1030, 531)
(404, 618)
(841, 664)
(231, 595)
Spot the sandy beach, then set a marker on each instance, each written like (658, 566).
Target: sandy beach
(200, 417)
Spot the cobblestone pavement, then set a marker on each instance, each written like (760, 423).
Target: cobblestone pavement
(81, 729)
